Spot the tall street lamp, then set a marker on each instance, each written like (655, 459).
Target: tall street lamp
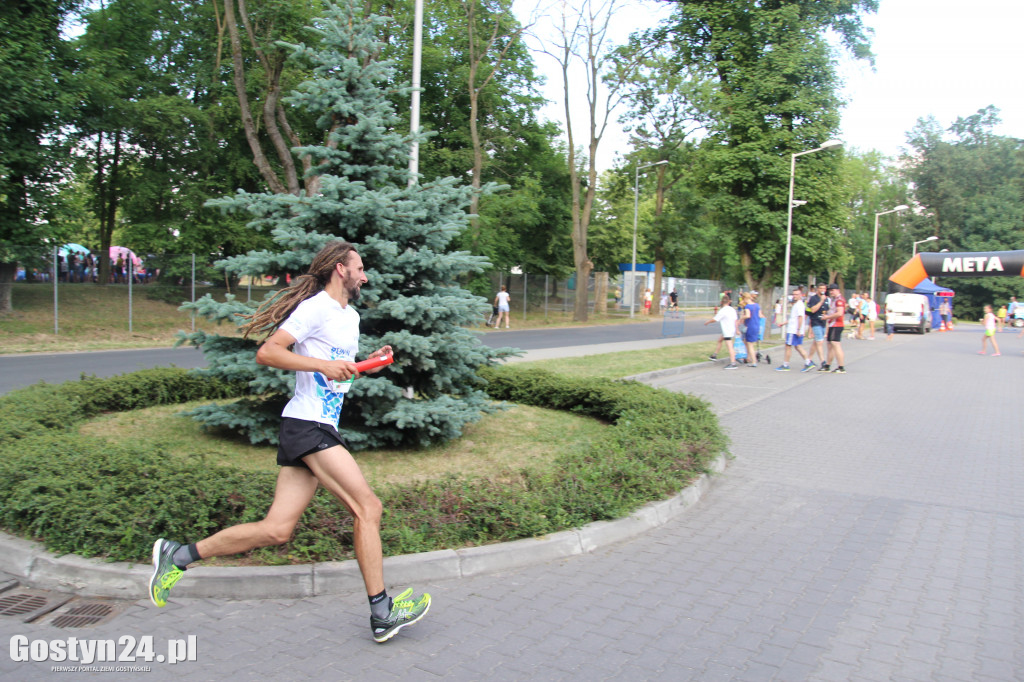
(929, 239)
(831, 144)
(874, 248)
(636, 220)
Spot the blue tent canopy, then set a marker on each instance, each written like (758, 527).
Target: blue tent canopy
(928, 287)
(935, 295)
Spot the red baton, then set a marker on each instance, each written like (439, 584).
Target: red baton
(378, 361)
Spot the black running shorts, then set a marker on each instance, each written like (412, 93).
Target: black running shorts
(299, 438)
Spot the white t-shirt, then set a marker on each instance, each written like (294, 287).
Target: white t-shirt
(324, 330)
(726, 316)
(503, 299)
(794, 325)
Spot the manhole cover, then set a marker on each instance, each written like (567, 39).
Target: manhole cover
(84, 614)
(27, 605)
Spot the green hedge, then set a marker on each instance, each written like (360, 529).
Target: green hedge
(107, 499)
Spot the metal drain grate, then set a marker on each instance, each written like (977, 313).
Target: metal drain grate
(20, 604)
(84, 614)
(27, 605)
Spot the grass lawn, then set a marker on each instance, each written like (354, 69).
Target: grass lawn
(509, 440)
(91, 317)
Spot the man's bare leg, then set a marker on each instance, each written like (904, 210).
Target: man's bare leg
(295, 488)
(338, 472)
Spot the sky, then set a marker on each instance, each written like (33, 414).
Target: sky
(932, 58)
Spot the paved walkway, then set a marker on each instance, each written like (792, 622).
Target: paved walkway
(869, 528)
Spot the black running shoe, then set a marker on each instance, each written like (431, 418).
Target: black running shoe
(404, 611)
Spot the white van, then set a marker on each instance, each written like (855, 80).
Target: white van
(908, 311)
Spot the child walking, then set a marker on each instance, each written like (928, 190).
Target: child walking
(990, 332)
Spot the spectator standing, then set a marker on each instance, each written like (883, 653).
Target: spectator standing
(990, 322)
(752, 319)
(795, 327)
(1011, 310)
(853, 308)
(890, 323)
(816, 308)
(837, 311)
(673, 298)
(726, 317)
(944, 313)
(871, 315)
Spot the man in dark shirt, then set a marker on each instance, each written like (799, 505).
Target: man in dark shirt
(817, 306)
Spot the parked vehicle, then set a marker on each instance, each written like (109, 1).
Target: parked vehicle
(908, 311)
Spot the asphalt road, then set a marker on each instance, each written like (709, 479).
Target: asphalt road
(21, 370)
(17, 371)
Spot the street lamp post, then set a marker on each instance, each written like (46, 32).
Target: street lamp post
(636, 220)
(831, 144)
(929, 239)
(874, 248)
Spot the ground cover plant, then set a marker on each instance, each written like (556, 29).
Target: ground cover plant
(95, 498)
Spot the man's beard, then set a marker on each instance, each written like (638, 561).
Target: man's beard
(353, 293)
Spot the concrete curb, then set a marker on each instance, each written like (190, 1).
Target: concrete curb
(29, 563)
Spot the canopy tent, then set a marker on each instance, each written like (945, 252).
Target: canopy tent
(933, 292)
(928, 287)
(76, 248)
(125, 253)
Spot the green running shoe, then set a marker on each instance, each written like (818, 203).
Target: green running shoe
(404, 611)
(165, 573)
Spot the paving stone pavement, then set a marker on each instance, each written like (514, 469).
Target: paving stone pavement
(869, 527)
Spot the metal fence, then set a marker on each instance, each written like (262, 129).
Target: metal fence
(544, 294)
(178, 278)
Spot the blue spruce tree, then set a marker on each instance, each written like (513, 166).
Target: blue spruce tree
(413, 300)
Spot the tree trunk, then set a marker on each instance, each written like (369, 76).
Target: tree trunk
(258, 157)
(600, 293)
(7, 273)
(659, 264)
(478, 156)
(270, 119)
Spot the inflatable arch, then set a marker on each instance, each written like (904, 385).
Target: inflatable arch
(979, 264)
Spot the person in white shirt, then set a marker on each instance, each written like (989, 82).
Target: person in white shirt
(502, 300)
(795, 327)
(727, 317)
(314, 331)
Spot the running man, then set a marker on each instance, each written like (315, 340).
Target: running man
(315, 315)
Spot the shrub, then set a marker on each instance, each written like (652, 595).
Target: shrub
(109, 500)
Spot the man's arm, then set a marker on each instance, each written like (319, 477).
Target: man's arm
(274, 353)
